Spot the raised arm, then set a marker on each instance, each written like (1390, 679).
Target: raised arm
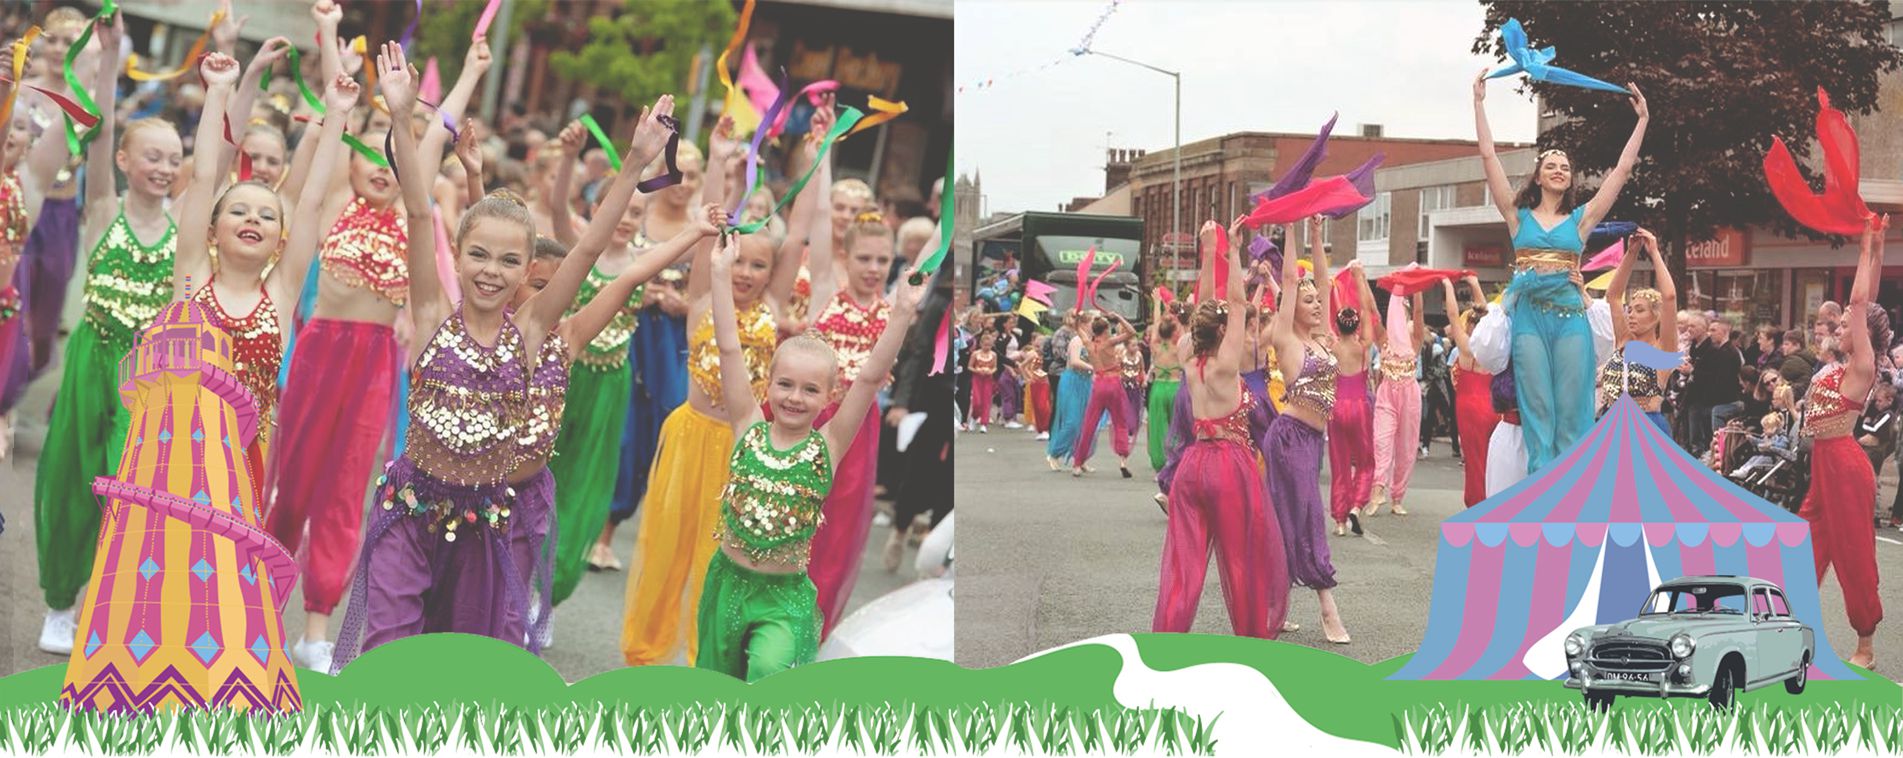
(224, 36)
(1282, 327)
(735, 387)
(1455, 330)
(720, 145)
(559, 214)
(1668, 294)
(544, 310)
(193, 257)
(238, 111)
(1608, 192)
(1370, 313)
(1615, 297)
(1420, 320)
(100, 192)
(429, 302)
(327, 152)
(475, 63)
(469, 154)
(1860, 366)
(1497, 183)
(1235, 338)
(878, 365)
(328, 14)
(582, 327)
(1318, 255)
(810, 212)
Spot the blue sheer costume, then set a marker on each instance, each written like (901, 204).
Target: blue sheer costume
(1553, 352)
(658, 352)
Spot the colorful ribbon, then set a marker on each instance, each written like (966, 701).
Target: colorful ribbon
(297, 74)
(1537, 63)
(930, 264)
(1098, 282)
(1222, 271)
(367, 152)
(1084, 266)
(1644, 354)
(409, 32)
(941, 344)
(1301, 172)
(432, 86)
(20, 49)
(1607, 232)
(744, 117)
(81, 109)
(753, 154)
(673, 174)
(1327, 194)
(1607, 258)
(191, 56)
(811, 92)
(614, 158)
(1039, 291)
(488, 15)
(846, 120)
(883, 110)
(1415, 279)
(761, 91)
(1838, 209)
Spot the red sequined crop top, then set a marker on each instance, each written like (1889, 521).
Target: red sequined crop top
(1233, 427)
(1830, 414)
(852, 331)
(366, 249)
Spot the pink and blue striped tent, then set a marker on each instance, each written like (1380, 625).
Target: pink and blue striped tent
(1585, 540)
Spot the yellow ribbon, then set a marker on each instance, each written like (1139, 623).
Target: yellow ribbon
(20, 48)
(745, 118)
(883, 110)
(191, 57)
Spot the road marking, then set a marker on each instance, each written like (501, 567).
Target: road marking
(1370, 536)
(1887, 539)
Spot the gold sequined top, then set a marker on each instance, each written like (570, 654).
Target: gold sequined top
(759, 335)
(1130, 361)
(1620, 377)
(1033, 365)
(1231, 428)
(13, 221)
(466, 403)
(609, 349)
(257, 347)
(1315, 387)
(852, 331)
(547, 395)
(1827, 412)
(1399, 369)
(128, 282)
(771, 505)
(367, 249)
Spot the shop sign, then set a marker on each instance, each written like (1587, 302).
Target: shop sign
(1727, 249)
(1483, 256)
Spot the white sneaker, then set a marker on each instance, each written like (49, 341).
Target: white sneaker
(984, 429)
(59, 632)
(1013, 425)
(1043, 436)
(313, 654)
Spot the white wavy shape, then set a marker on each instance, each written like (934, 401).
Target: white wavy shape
(1256, 718)
(1547, 657)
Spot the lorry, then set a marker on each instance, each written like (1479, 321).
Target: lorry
(1047, 247)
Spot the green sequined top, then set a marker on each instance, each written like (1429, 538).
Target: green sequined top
(771, 506)
(609, 349)
(128, 282)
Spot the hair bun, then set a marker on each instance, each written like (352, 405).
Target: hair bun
(869, 217)
(507, 196)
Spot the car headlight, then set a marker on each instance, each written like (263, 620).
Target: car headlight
(1575, 645)
(1682, 646)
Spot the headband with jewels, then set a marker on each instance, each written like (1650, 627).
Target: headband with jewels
(1551, 151)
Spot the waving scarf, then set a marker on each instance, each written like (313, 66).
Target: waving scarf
(1838, 209)
(1538, 63)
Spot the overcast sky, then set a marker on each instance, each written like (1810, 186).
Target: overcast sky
(1038, 138)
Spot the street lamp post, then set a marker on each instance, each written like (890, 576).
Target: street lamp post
(1176, 158)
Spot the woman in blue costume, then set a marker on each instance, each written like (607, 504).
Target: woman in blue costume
(1553, 356)
(1649, 316)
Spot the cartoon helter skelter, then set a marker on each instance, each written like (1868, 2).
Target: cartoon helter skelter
(185, 606)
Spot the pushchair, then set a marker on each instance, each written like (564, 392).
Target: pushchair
(1782, 477)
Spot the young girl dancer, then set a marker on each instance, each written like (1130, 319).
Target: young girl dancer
(234, 235)
(1217, 495)
(128, 280)
(1303, 342)
(758, 608)
(984, 380)
(1552, 341)
(1474, 415)
(336, 401)
(463, 474)
(1842, 484)
(1072, 390)
(1351, 440)
(1650, 316)
(1397, 405)
(1168, 382)
(690, 467)
(1106, 396)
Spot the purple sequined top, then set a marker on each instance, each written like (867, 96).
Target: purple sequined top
(542, 415)
(466, 405)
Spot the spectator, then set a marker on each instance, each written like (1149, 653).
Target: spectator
(1799, 364)
(1764, 352)
(1724, 364)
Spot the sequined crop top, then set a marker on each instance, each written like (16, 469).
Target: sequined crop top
(13, 221)
(1561, 238)
(1131, 362)
(366, 249)
(771, 506)
(1619, 377)
(609, 349)
(257, 345)
(759, 335)
(852, 331)
(1231, 428)
(1829, 413)
(465, 405)
(1315, 387)
(1034, 365)
(1399, 369)
(547, 394)
(984, 362)
(128, 282)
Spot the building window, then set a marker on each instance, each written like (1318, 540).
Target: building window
(1372, 222)
(1328, 229)
(1434, 199)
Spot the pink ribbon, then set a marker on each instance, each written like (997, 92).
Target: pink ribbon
(488, 15)
(811, 92)
(1319, 196)
(1607, 258)
(432, 86)
(1038, 291)
(758, 86)
(1083, 277)
(1098, 282)
(941, 345)
(445, 258)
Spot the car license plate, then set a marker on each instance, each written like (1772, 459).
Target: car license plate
(1630, 676)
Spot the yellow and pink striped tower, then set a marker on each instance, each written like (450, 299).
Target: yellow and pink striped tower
(185, 607)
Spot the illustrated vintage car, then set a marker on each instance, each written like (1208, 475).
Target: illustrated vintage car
(1698, 636)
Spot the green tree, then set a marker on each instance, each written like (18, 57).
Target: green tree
(1720, 78)
(648, 49)
(445, 32)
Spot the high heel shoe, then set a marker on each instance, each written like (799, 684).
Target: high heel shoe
(1125, 470)
(1396, 509)
(1354, 523)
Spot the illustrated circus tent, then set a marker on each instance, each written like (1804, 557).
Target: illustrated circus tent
(1585, 540)
(185, 606)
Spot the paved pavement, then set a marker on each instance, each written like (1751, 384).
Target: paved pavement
(1045, 559)
(587, 626)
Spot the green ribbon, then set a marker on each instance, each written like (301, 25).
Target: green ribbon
(931, 263)
(297, 73)
(614, 159)
(365, 150)
(75, 142)
(845, 123)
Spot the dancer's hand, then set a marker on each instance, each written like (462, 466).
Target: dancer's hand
(651, 135)
(1206, 236)
(1314, 226)
(106, 30)
(225, 34)
(396, 78)
(571, 140)
(1647, 241)
(1638, 102)
(273, 50)
(722, 143)
(725, 255)
(469, 148)
(327, 13)
(908, 295)
(1235, 231)
(1480, 86)
(347, 55)
(218, 70)
(477, 59)
(341, 96)
(709, 221)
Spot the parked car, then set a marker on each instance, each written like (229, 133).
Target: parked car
(1697, 636)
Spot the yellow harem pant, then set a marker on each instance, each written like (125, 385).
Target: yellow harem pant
(676, 537)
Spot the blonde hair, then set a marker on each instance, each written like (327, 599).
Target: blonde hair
(501, 205)
(1772, 422)
(867, 225)
(856, 189)
(62, 18)
(144, 124)
(916, 233)
(811, 344)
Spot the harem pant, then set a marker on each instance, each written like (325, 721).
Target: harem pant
(1037, 398)
(839, 545)
(1072, 389)
(331, 418)
(1162, 411)
(1218, 499)
(1010, 396)
(1842, 486)
(1106, 396)
(754, 624)
(676, 537)
(1351, 446)
(1475, 417)
(1294, 456)
(586, 462)
(1397, 433)
(984, 390)
(1553, 362)
(86, 439)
